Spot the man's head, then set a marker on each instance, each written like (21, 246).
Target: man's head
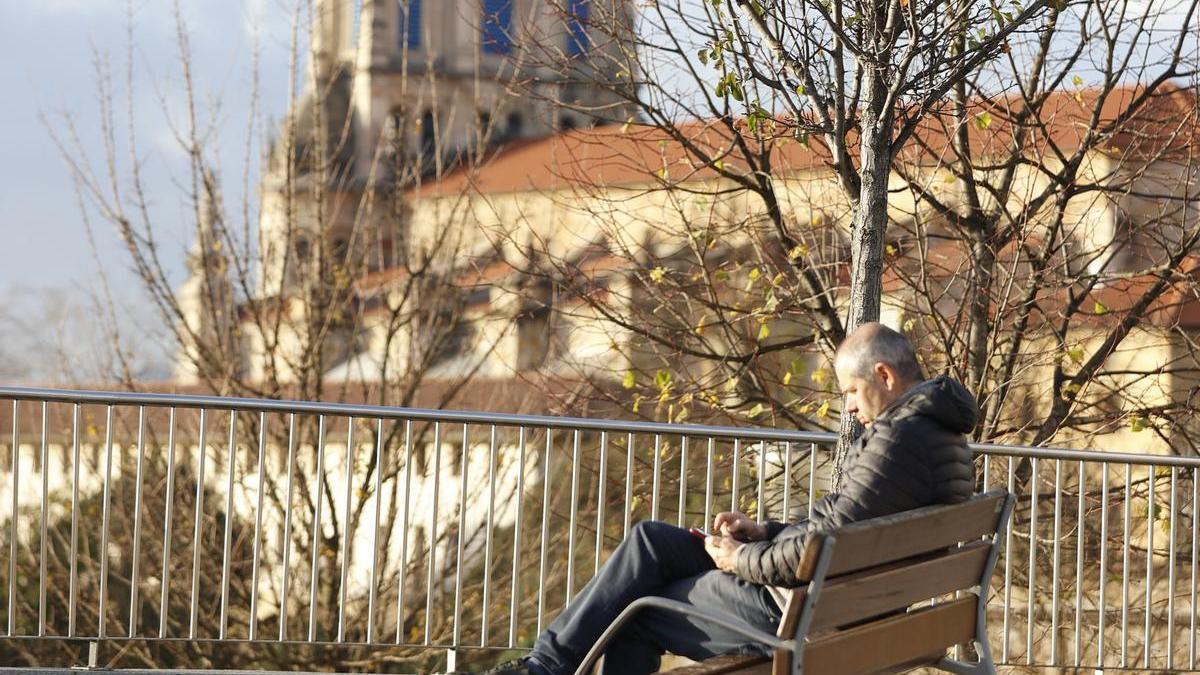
(875, 365)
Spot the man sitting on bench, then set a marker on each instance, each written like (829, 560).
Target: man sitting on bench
(912, 454)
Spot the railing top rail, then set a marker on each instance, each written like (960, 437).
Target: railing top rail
(416, 414)
(546, 421)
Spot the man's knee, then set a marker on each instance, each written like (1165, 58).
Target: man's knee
(652, 529)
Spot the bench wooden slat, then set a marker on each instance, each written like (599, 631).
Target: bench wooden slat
(899, 585)
(910, 639)
(904, 535)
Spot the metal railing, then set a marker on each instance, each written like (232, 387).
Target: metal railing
(234, 521)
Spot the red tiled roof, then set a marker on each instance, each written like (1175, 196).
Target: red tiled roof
(635, 154)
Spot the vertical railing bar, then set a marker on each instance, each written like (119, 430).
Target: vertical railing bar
(733, 470)
(1011, 485)
(1031, 575)
(628, 508)
(462, 529)
(683, 452)
(655, 483)
(787, 481)
(487, 537)
(987, 464)
(317, 538)
(1054, 572)
(45, 498)
(1125, 568)
(196, 528)
(812, 477)
(168, 524)
(1171, 576)
(1149, 565)
(545, 529)
(345, 576)
(404, 520)
(708, 485)
(1192, 588)
(16, 505)
(761, 511)
(372, 591)
(1079, 541)
(433, 521)
(574, 510)
(1103, 610)
(228, 524)
(103, 552)
(137, 522)
(601, 497)
(258, 508)
(287, 530)
(514, 604)
(73, 583)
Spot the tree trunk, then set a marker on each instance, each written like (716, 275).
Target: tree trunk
(867, 233)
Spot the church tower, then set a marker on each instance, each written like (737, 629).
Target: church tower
(208, 333)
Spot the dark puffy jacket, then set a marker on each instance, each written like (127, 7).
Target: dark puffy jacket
(914, 454)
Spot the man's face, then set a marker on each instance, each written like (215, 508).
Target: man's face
(867, 396)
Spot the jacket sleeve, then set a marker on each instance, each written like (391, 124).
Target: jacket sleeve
(882, 480)
(774, 562)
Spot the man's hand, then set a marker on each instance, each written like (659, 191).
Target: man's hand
(739, 526)
(723, 551)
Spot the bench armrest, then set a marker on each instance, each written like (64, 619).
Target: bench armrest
(722, 620)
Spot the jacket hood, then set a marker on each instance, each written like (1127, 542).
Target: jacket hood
(942, 399)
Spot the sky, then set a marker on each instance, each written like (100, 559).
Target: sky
(49, 48)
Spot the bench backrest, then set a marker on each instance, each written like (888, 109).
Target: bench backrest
(863, 574)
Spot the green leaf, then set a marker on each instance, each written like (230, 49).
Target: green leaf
(800, 90)
(629, 381)
(662, 379)
(1075, 354)
(703, 55)
(764, 332)
(983, 120)
(755, 411)
(1077, 81)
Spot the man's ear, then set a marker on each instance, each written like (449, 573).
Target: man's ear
(886, 375)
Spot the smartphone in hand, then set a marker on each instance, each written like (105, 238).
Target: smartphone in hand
(698, 533)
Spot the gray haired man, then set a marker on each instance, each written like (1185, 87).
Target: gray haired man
(912, 454)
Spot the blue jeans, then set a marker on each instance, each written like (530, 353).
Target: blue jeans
(666, 561)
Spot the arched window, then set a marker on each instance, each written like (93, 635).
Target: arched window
(428, 139)
(515, 125)
(577, 23)
(496, 26)
(409, 23)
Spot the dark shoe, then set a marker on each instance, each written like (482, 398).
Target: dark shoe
(517, 667)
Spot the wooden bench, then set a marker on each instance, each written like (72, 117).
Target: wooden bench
(857, 614)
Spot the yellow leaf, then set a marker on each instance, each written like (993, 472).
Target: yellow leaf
(820, 376)
(823, 411)
(755, 274)
(787, 378)
(798, 251)
(764, 332)
(629, 380)
(1137, 423)
(983, 120)
(755, 411)
(625, 127)
(658, 274)
(1100, 308)
(1076, 354)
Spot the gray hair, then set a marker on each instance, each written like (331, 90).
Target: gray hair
(873, 343)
